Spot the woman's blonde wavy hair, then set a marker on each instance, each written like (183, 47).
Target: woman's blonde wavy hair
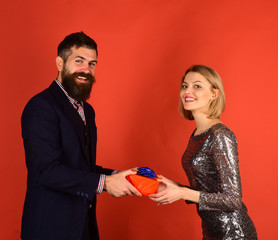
(217, 106)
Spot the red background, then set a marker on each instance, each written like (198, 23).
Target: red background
(144, 49)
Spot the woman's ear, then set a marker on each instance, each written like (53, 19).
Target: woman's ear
(215, 94)
(59, 63)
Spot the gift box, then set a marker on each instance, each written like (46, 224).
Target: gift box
(144, 181)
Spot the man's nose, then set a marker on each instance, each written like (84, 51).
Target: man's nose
(85, 68)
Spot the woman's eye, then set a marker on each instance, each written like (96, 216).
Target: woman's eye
(183, 86)
(197, 86)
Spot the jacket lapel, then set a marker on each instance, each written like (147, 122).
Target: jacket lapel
(70, 112)
(90, 120)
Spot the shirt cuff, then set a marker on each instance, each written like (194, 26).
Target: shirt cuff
(101, 184)
(102, 181)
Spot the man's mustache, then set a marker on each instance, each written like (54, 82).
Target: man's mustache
(88, 76)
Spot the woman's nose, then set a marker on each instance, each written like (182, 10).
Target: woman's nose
(188, 90)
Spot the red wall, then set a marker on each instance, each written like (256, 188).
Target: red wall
(145, 47)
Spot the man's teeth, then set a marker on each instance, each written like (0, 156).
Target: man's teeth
(82, 77)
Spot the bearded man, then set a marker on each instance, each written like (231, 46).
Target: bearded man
(59, 135)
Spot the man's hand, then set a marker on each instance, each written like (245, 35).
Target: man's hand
(117, 185)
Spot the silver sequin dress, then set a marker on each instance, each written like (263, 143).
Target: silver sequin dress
(211, 165)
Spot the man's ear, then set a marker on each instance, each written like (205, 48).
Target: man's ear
(59, 63)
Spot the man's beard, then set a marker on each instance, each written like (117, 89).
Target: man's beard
(76, 90)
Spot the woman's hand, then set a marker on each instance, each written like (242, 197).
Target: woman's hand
(168, 191)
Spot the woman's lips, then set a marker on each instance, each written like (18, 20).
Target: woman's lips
(189, 99)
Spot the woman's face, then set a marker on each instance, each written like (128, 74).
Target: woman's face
(196, 93)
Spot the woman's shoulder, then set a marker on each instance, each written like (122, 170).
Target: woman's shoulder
(220, 130)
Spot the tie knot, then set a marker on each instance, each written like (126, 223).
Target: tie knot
(80, 110)
(78, 104)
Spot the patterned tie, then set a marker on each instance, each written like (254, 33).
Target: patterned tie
(80, 110)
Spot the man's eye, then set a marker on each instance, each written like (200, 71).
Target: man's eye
(78, 61)
(93, 64)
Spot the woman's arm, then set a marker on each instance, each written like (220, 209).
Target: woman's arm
(170, 192)
(225, 155)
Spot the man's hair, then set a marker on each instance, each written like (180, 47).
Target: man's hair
(217, 106)
(77, 40)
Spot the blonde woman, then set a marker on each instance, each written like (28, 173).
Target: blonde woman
(210, 161)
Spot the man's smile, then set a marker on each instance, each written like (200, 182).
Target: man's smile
(82, 79)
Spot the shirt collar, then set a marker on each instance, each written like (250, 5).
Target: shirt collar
(72, 100)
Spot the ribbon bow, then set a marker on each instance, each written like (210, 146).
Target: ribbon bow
(146, 172)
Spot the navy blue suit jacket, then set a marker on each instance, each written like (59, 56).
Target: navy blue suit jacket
(62, 179)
